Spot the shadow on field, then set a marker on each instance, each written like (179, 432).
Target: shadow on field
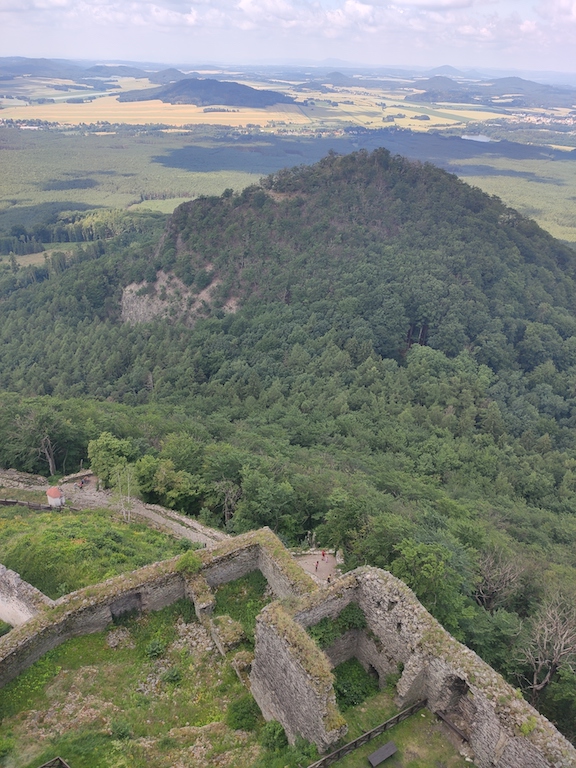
(489, 170)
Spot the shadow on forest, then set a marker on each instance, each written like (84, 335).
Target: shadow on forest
(43, 213)
(489, 170)
(65, 184)
(266, 154)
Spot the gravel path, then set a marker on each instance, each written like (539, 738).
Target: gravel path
(159, 517)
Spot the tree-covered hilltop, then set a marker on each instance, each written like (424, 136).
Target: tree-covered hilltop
(206, 92)
(403, 249)
(371, 349)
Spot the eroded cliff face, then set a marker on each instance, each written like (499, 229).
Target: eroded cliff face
(171, 299)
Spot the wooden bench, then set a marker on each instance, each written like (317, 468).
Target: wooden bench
(382, 754)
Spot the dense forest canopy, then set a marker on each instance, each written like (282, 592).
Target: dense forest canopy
(382, 353)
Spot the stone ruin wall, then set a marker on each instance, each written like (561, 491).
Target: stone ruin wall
(148, 589)
(89, 610)
(503, 730)
(291, 677)
(298, 695)
(19, 601)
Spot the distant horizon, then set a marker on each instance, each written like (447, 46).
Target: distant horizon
(470, 34)
(333, 64)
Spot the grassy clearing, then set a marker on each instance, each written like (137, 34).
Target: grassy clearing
(107, 700)
(421, 740)
(59, 552)
(243, 600)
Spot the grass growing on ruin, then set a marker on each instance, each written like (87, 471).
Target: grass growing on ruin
(59, 552)
(328, 630)
(149, 691)
(352, 684)
(243, 600)
(421, 740)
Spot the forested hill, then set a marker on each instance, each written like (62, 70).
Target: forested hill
(370, 348)
(404, 252)
(206, 92)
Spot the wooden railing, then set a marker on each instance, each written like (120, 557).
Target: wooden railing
(368, 736)
(18, 503)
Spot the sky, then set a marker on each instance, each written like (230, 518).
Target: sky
(497, 34)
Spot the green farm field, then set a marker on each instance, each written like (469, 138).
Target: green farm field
(109, 154)
(47, 172)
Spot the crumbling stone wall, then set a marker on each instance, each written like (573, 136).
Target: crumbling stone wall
(291, 677)
(291, 680)
(11, 478)
(148, 589)
(89, 610)
(19, 601)
(504, 731)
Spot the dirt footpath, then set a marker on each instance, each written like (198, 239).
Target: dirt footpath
(327, 567)
(89, 497)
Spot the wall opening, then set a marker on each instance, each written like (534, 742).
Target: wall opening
(458, 710)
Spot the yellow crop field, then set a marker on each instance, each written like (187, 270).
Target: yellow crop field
(108, 108)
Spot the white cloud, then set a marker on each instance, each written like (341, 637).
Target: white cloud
(516, 32)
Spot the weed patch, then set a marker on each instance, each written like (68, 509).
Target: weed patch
(243, 600)
(353, 684)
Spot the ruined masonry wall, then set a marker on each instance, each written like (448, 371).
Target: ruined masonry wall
(290, 691)
(357, 644)
(19, 601)
(86, 611)
(504, 731)
(231, 565)
(148, 589)
(291, 677)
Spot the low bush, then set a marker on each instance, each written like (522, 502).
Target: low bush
(273, 736)
(243, 714)
(155, 649)
(353, 684)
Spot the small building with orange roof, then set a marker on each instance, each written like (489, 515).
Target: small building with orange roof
(55, 497)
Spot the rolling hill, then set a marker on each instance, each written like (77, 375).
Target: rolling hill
(366, 347)
(209, 92)
(513, 91)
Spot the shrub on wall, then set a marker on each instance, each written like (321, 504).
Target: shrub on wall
(328, 630)
(189, 563)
